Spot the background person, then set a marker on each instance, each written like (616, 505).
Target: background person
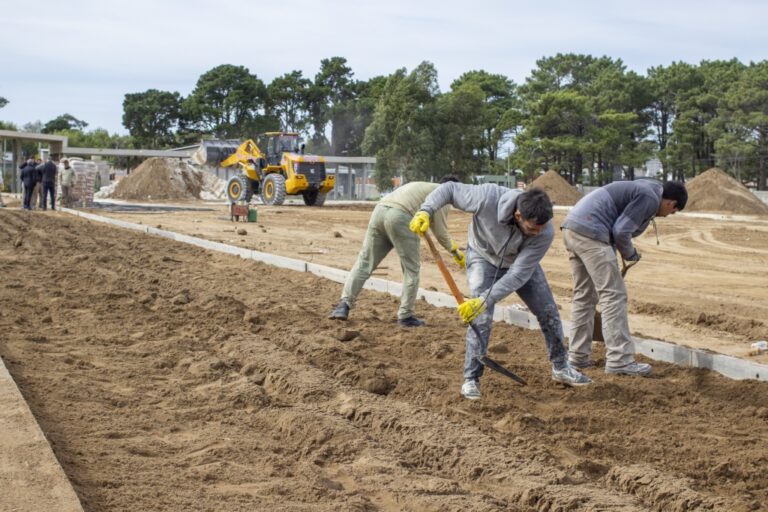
(28, 180)
(37, 189)
(510, 232)
(49, 172)
(67, 179)
(2, 185)
(601, 223)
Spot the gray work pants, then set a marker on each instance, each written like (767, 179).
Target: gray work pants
(535, 293)
(597, 279)
(387, 230)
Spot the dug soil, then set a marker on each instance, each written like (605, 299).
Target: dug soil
(557, 188)
(716, 191)
(167, 179)
(702, 285)
(171, 378)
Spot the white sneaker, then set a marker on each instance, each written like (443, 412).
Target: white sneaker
(641, 369)
(570, 376)
(471, 390)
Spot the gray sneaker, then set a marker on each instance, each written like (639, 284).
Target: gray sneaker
(471, 390)
(633, 368)
(570, 376)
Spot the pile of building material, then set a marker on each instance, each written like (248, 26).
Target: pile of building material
(161, 179)
(557, 188)
(716, 191)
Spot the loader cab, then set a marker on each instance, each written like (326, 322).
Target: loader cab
(279, 143)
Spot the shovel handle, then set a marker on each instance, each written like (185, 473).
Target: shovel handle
(484, 360)
(444, 270)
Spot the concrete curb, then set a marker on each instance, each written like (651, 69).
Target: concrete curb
(729, 366)
(31, 477)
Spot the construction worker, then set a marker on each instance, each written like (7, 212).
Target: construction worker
(510, 232)
(601, 223)
(67, 179)
(388, 229)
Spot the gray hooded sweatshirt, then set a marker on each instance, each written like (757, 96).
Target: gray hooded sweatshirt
(616, 213)
(493, 232)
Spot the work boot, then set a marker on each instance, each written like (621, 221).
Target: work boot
(570, 376)
(411, 321)
(471, 390)
(341, 312)
(633, 368)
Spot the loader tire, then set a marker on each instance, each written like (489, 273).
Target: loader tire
(313, 198)
(273, 189)
(237, 189)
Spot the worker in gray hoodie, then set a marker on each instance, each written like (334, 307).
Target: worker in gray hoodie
(601, 223)
(510, 232)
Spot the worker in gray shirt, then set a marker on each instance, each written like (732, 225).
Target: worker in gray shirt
(601, 223)
(387, 230)
(510, 232)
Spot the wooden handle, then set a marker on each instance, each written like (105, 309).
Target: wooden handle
(444, 270)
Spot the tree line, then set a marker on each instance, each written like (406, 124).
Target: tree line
(587, 117)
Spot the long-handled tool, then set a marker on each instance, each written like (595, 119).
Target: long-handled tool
(597, 330)
(484, 360)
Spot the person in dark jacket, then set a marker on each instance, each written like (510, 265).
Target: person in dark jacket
(28, 179)
(601, 223)
(49, 170)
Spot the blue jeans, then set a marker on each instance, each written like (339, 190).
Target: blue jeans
(535, 294)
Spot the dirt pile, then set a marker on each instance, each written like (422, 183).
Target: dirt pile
(167, 178)
(557, 188)
(716, 191)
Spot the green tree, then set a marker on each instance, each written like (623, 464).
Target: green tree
(288, 99)
(498, 98)
(64, 122)
(228, 102)
(352, 116)
(747, 113)
(152, 117)
(577, 112)
(401, 135)
(460, 132)
(332, 88)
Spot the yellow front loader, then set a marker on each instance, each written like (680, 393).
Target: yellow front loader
(283, 169)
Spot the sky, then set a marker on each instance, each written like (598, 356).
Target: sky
(81, 57)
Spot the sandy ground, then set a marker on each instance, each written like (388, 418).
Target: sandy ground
(703, 286)
(171, 378)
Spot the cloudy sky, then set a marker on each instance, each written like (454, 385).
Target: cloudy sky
(82, 56)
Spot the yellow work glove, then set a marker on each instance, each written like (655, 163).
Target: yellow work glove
(458, 256)
(420, 222)
(471, 309)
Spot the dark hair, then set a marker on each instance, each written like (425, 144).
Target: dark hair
(534, 204)
(675, 190)
(449, 177)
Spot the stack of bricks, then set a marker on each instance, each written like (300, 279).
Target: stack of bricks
(82, 187)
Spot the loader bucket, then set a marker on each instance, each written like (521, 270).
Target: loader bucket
(213, 152)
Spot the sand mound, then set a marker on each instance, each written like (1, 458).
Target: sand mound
(168, 178)
(716, 191)
(557, 188)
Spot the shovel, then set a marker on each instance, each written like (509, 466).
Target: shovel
(597, 329)
(484, 360)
